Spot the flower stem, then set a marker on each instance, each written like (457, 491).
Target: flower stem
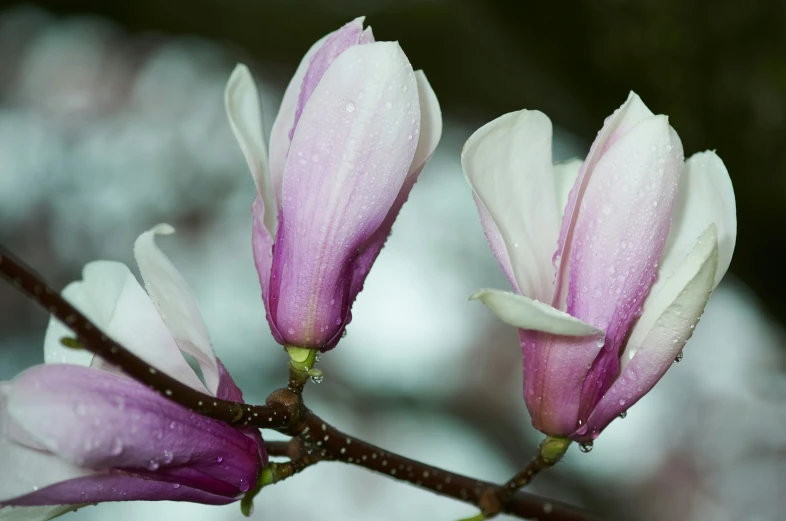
(549, 453)
(301, 367)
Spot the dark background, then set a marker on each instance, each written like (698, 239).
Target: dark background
(715, 67)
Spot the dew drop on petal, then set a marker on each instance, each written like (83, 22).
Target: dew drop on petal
(350, 107)
(117, 447)
(586, 447)
(678, 358)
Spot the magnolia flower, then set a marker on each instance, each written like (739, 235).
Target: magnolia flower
(355, 128)
(76, 430)
(643, 241)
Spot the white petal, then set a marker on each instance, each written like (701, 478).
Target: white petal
(241, 100)
(129, 317)
(26, 469)
(705, 197)
(54, 351)
(508, 164)
(678, 308)
(176, 304)
(430, 123)
(285, 120)
(671, 305)
(615, 126)
(525, 313)
(565, 175)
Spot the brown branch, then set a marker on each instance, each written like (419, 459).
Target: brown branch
(313, 439)
(97, 342)
(549, 453)
(330, 444)
(277, 448)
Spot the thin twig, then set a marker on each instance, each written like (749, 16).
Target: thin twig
(333, 445)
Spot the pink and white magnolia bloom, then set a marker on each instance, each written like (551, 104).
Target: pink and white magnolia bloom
(644, 239)
(77, 430)
(355, 128)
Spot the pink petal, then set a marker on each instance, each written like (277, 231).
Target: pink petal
(323, 58)
(25, 463)
(97, 420)
(119, 486)
(705, 196)
(429, 134)
(367, 36)
(678, 306)
(624, 118)
(285, 120)
(262, 246)
(620, 229)
(554, 371)
(348, 162)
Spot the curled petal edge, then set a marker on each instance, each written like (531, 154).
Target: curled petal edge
(525, 313)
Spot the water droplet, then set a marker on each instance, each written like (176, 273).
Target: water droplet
(168, 457)
(601, 341)
(344, 334)
(623, 414)
(172, 425)
(317, 379)
(622, 402)
(243, 485)
(117, 447)
(291, 331)
(350, 107)
(678, 358)
(219, 459)
(585, 447)
(152, 465)
(176, 485)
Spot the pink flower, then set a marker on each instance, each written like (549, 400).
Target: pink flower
(355, 128)
(643, 241)
(77, 430)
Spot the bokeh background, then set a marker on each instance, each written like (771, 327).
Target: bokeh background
(111, 120)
